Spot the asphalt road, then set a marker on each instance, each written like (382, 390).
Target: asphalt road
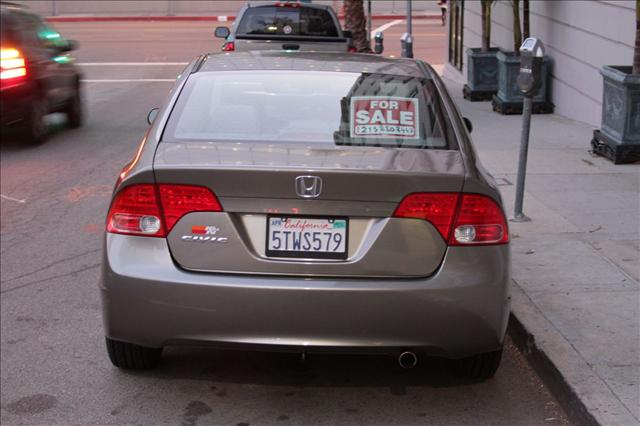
(55, 369)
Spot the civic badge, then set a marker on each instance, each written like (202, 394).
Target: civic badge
(308, 186)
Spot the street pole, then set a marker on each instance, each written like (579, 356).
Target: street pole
(518, 215)
(406, 41)
(409, 17)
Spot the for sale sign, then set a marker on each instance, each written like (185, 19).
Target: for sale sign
(384, 117)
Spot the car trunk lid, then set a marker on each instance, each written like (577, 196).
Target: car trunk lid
(256, 181)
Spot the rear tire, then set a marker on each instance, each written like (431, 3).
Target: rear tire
(74, 110)
(477, 367)
(132, 357)
(34, 129)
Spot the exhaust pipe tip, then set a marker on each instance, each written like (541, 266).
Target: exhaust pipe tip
(407, 360)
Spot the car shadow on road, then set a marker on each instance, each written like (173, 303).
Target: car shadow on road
(12, 140)
(285, 369)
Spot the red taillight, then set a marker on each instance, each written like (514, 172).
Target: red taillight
(479, 221)
(12, 66)
(152, 210)
(229, 46)
(135, 210)
(437, 208)
(467, 219)
(287, 4)
(178, 200)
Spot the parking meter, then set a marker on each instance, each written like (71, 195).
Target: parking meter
(406, 41)
(531, 55)
(379, 43)
(529, 81)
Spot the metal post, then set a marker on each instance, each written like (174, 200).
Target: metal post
(518, 215)
(54, 8)
(409, 17)
(406, 41)
(170, 8)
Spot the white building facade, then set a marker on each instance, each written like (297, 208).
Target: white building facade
(580, 37)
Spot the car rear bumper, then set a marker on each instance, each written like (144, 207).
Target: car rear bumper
(459, 311)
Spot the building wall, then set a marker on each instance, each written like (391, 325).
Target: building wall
(580, 37)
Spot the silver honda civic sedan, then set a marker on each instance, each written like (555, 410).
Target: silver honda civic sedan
(307, 202)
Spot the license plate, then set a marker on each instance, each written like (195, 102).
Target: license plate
(307, 237)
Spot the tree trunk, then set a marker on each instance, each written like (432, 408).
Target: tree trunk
(355, 21)
(525, 20)
(636, 50)
(486, 25)
(517, 33)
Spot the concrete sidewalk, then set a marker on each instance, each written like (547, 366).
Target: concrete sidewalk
(576, 265)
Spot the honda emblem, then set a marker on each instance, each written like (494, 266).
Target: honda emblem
(308, 186)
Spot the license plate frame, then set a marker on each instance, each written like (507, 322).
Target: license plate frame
(301, 254)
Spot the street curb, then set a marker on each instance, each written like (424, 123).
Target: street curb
(540, 362)
(216, 18)
(584, 396)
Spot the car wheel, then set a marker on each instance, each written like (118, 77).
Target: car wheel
(477, 367)
(74, 110)
(34, 129)
(132, 357)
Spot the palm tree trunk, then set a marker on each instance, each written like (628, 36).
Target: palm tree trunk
(486, 25)
(636, 50)
(525, 19)
(485, 37)
(517, 33)
(355, 21)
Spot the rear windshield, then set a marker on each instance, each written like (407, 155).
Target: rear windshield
(287, 21)
(339, 108)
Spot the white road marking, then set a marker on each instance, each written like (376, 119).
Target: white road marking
(12, 199)
(131, 80)
(131, 64)
(382, 28)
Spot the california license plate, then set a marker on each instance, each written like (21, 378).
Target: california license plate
(308, 237)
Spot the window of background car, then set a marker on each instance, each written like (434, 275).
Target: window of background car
(288, 21)
(309, 107)
(36, 33)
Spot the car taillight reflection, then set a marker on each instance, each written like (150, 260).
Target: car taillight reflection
(13, 68)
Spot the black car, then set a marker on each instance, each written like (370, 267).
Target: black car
(38, 76)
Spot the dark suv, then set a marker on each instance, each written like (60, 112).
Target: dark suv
(38, 76)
